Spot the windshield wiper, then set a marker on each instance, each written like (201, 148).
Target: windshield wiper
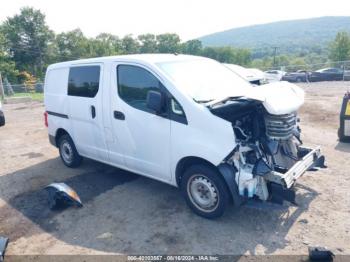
(224, 100)
(203, 101)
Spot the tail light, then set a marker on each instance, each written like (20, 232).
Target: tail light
(46, 120)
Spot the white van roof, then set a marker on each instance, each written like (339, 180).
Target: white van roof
(148, 58)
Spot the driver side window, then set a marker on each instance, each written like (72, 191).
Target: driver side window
(133, 85)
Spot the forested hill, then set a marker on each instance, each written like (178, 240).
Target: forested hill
(290, 37)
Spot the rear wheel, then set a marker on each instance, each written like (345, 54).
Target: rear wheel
(2, 119)
(68, 152)
(205, 191)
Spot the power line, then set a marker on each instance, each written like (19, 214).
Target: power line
(274, 55)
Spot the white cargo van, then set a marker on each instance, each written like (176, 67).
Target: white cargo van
(185, 120)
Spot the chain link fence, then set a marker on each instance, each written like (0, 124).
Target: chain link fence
(314, 67)
(303, 72)
(33, 90)
(327, 71)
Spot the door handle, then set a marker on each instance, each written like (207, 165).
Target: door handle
(119, 115)
(93, 112)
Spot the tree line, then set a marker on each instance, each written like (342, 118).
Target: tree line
(28, 46)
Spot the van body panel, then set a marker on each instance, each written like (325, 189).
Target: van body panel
(144, 143)
(211, 140)
(144, 137)
(87, 127)
(55, 99)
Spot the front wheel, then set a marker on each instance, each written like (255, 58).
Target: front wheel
(68, 152)
(205, 191)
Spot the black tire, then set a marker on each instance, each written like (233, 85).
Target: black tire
(68, 152)
(2, 118)
(299, 80)
(212, 184)
(342, 138)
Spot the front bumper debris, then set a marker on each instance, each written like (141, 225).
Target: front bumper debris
(61, 195)
(312, 158)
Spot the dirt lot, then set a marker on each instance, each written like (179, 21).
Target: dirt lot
(129, 214)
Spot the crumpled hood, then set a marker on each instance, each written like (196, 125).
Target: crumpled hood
(278, 98)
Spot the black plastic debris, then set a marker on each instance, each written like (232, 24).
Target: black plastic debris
(319, 163)
(61, 195)
(320, 254)
(3, 245)
(280, 194)
(261, 168)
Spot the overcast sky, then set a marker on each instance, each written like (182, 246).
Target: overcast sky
(188, 18)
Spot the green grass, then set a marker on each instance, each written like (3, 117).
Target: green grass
(34, 96)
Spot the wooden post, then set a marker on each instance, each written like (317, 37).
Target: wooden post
(2, 93)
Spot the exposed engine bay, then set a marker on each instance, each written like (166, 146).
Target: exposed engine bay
(268, 155)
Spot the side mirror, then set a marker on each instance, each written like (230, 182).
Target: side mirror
(155, 101)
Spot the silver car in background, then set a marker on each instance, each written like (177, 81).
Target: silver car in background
(274, 75)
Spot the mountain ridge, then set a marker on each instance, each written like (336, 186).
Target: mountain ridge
(289, 36)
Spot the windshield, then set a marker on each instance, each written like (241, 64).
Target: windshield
(204, 79)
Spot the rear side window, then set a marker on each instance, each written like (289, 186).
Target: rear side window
(83, 81)
(133, 85)
(56, 81)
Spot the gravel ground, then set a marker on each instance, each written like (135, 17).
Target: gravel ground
(124, 213)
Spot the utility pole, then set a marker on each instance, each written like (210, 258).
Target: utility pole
(2, 93)
(274, 56)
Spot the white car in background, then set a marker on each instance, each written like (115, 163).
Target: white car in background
(252, 75)
(274, 75)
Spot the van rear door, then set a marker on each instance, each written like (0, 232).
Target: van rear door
(85, 92)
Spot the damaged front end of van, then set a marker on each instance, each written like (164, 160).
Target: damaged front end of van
(269, 155)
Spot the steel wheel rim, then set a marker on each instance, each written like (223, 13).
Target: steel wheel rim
(67, 152)
(203, 193)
